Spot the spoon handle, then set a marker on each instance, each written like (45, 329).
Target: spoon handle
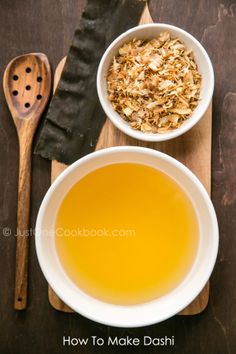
(23, 232)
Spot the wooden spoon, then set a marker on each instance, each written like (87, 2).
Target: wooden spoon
(27, 86)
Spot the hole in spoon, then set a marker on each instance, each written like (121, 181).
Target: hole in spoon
(39, 97)
(15, 93)
(27, 105)
(28, 70)
(39, 79)
(19, 299)
(15, 77)
(28, 87)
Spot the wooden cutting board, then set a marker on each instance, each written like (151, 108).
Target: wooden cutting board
(193, 149)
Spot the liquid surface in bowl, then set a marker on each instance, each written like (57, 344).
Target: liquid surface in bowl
(126, 234)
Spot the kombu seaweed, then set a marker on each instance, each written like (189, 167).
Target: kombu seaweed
(75, 117)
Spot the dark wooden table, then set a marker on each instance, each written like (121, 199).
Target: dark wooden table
(47, 26)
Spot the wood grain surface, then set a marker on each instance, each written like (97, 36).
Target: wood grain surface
(47, 26)
(191, 147)
(27, 87)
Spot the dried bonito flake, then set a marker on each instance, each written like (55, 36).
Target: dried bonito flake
(154, 84)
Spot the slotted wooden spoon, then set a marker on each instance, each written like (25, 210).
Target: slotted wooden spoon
(27, 86)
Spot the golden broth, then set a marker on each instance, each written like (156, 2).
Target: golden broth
(126, 233)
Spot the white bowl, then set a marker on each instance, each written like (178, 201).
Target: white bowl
(141, 314)
(150, 31)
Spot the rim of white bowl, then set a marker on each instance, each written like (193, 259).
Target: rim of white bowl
(124, 126)
(108, 317)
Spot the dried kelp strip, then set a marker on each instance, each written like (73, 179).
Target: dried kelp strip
(75, 118)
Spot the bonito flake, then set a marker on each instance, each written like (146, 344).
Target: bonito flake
(154, 85)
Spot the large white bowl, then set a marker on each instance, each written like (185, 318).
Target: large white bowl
(147, 32)
(135, 315)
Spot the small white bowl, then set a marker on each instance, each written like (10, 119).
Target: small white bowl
(141, 314)
(150, 31)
